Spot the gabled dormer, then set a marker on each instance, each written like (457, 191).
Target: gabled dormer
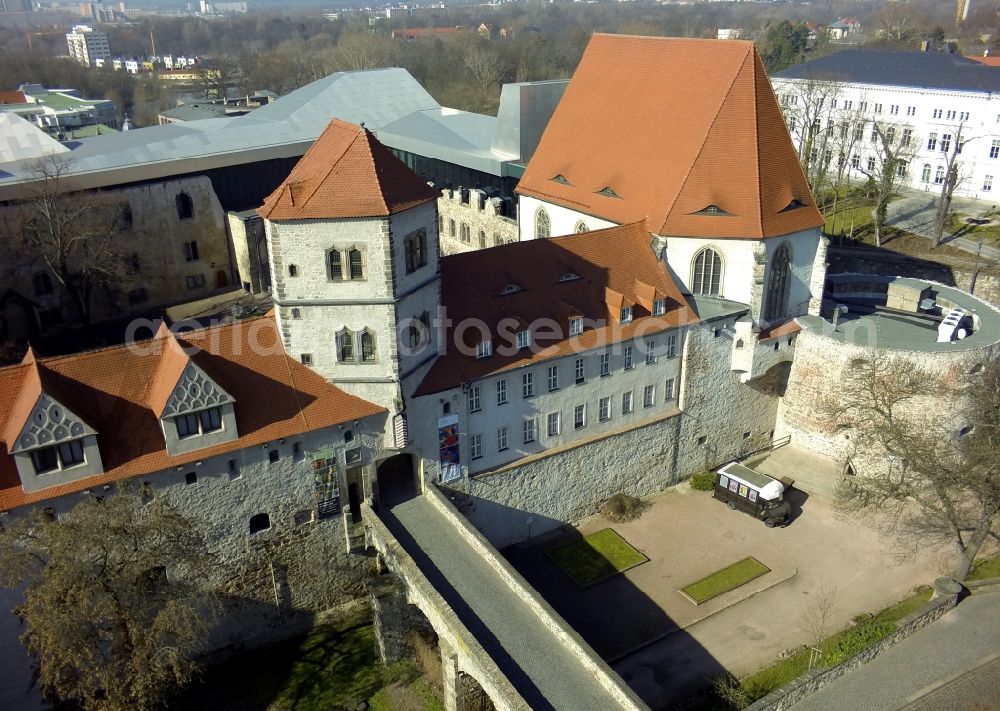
(193, 409)
(52, 443)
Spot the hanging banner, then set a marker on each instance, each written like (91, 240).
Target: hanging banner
(325, 483)
(448, 443)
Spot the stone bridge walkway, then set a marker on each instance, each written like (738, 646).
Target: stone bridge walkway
(542, 669)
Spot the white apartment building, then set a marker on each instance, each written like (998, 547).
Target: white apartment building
(86, 45)
(938, 103)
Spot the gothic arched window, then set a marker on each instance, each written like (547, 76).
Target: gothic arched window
(706, 273)
(778, 283)
(543, 227)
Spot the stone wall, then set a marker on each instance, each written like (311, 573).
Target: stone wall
(486, 227)
(946, 597)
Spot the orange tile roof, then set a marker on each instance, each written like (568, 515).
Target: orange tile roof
(615, 266)
(989, 60)
(672, 127)
(275, 397)
(13, 97)
(786, 328)
(346, 173)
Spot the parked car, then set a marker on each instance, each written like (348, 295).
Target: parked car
(759, 495)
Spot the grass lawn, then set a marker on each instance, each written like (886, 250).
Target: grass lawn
(596, 557)
(987, 568)
(335, 667)
(729, 578)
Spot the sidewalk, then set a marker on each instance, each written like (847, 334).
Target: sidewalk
(915, 213)
(949, 664)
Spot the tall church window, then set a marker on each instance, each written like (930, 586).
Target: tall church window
(543, 227)
(416, 250)
(777, 286)
(706, 277)
(367, 346)
(466, 234)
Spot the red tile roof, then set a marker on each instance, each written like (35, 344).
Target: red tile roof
(614, 266)
(13, 97)
(346, 173)
(673, 127)
(113, 390)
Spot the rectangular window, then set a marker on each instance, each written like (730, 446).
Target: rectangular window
(848, 105)
(671, 346)
(651, 353)
(932, 142)
(484, 349)
(416, 250)
(190, 478)
(306, 358)
(995, 149)
(659, 307)
(878, 108)
(871, 163)
(211, 420)
(604, 409)
(894, 109)
(906, 137)
(42, 283)
(579, 417)
(195, 281)
(502, 439)
(987, 183)
(273, 455)
(190, 251)
(234, 470)
(855, 162)
(71, 453)
(475, 401)
(945, 142)
(552, 424)
(502, 391)
(575, 326)
(626, 314)
(523, 339)
(937, 113)
(476, 446)
(578, 371)
(527, 384)
(629, 364)
(626, 402)
(605, 364)
(911, 110)
(874, 136)
(668, 389)
(649, 396)
(530, 433)
(553, 377)
(951, 115)
(334, 267)
(45, 460)
(355, 264)
(187, 425)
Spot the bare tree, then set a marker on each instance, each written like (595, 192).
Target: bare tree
(951, 145)
(115, 607)
(817, 612)
(808, 106)
(363, 50)
(843, 144)
(885, 167)
(73, 235)
(935, 476)
(485, 65)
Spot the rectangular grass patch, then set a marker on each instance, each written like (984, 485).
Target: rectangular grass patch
(721, 581)
(596, 557)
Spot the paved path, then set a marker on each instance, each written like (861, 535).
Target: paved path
(953, 663)
(539, 666)
(915, 213)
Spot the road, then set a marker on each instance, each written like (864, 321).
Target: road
(953, 663)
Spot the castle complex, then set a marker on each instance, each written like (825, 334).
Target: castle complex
(661, 313)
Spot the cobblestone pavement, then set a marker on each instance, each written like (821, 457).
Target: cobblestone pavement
(951, 664)
(544, 671)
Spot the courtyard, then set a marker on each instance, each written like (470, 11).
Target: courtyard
(665, 646)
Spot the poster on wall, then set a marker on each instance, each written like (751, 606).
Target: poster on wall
(325, 483)
(448, 443)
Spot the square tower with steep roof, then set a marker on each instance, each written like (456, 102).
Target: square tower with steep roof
(352, 234)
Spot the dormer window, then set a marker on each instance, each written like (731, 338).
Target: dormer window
(198, 423)
(523, 339)
(510, 289)
(57, 457)
(484, 349)
(569, 276)
(625, 315)
(659, 307)
(560, 179)
(793, 205)
(575, 326)
(608, 191)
